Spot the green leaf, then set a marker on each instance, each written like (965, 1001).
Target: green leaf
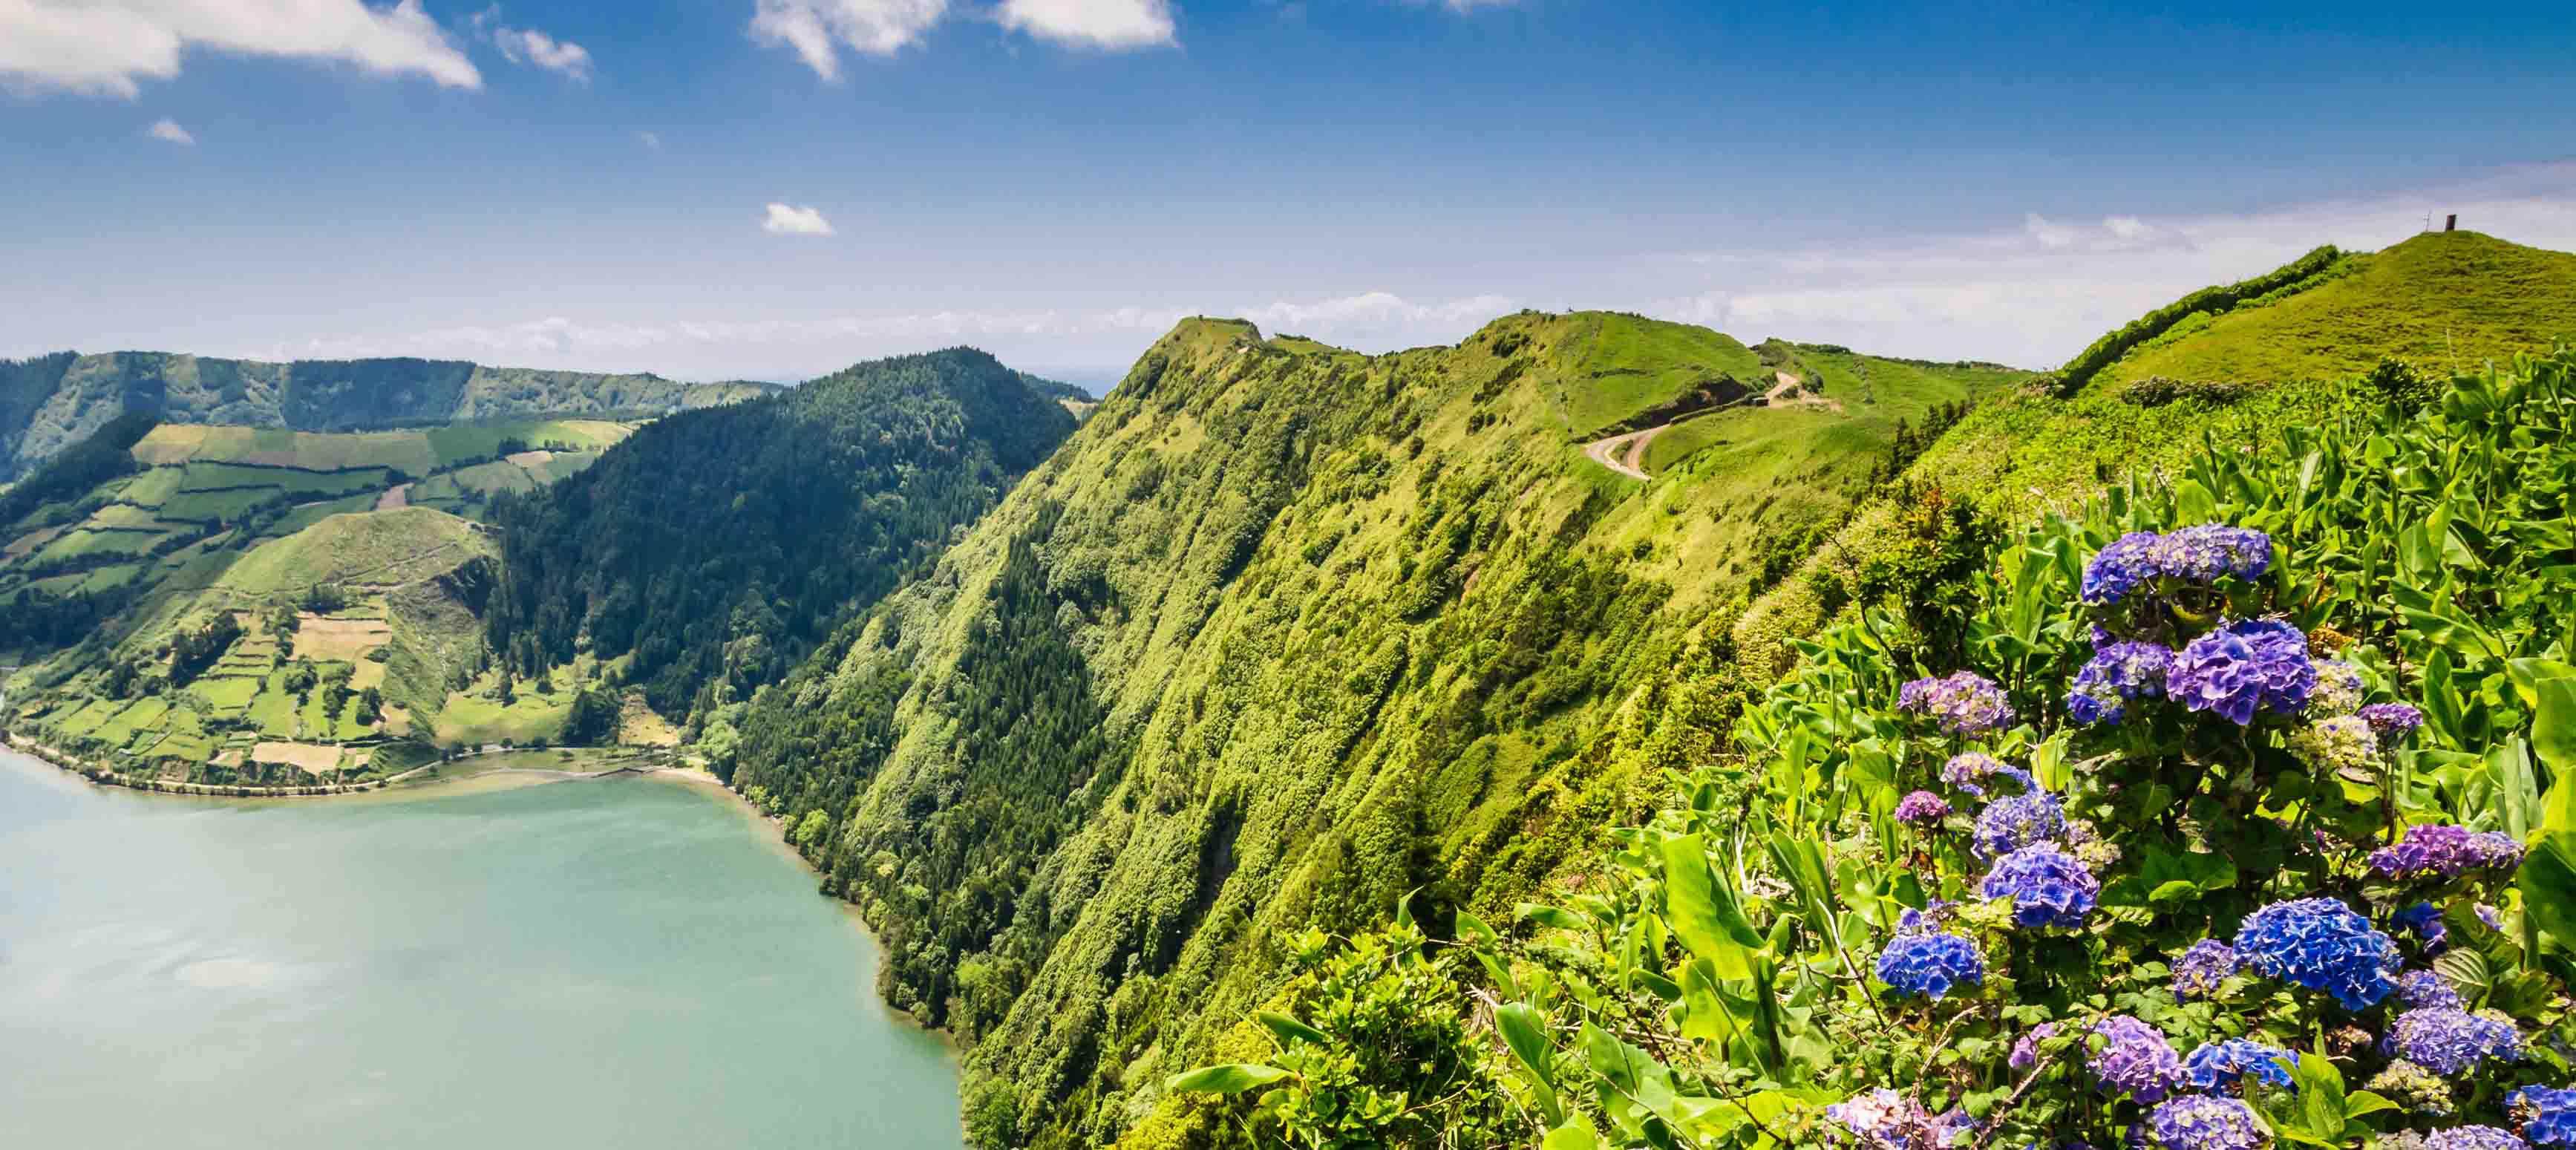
(1288, 1029)
(1525, 1032)
(2548, 883)
(2553, 721)
(2361, 1102)
(1703, 910)
(2321, 1101)
(1574, 1134)
(1555, 916)
(1231, 1078)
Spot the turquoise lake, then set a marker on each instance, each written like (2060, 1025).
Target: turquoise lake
(627, 963)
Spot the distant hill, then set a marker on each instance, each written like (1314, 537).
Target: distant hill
(51, 402)
(707, 555)
(2445, 301)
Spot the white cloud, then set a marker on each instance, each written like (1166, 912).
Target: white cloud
(783, 220)
(2036, 294)
(813, 27)
(1109, 24)
(651, 140)
(529, 46)
(169, 129)
(102, 47)
(1375, 309)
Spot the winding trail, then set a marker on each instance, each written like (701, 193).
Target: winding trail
(1625, 454)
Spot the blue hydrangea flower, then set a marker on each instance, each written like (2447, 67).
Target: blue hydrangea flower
(2319, 943)
(1930, 965)
(2220, 1065)
(2120, 568)
(2424, 921)
(2047, 885)
(2451, 1042)
(2242, 667)
(2200, 1122)
(2118, 674)
(2201, 969)
(2009, 824)
(1966, 703)
(2490, 916)
(2135, 1059)
(2547, 1114)
(2447, 851)
(1922, 807)
(2425, 988)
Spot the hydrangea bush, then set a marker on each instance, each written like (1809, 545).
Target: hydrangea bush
(2241, 829)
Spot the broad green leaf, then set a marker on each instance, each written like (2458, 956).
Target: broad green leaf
(1574, 1134)
(2361, 1102)
(1703, 911)
(1288, 1029)
(2548, 882)
(1231, 1078)
(1525, 1032)
(2321, 1102)
(1555, 916)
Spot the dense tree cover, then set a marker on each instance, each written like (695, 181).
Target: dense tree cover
(105, 455)
(713, 549)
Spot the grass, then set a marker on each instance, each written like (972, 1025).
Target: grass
(374, 547)
(2443, 300)
(1612, 366)
(471, 718)
(470, 442)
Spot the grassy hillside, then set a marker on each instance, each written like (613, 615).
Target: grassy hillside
(278, 670)
(2447, 301)
(1280, 632)
(49, 403)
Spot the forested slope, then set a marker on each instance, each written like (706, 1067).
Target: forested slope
(51, 402)
(709, 553)
(1281, 632)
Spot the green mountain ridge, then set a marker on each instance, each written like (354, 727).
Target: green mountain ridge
(49, 402)
(1281, 631)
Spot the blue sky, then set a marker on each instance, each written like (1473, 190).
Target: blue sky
(591, 184)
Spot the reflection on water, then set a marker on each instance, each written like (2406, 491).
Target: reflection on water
(620, 962)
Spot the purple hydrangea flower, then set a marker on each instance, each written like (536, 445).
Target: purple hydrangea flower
(2025, 1051)
(2472, 1138)
(2392, 721)
(2446, 850)
(2201, 1122)
(1930, 965)
(2118, 674)
(2009, 824)
(1966, 703)
(2319, 943)
(2242, 667)
(2214, 551)
(2490, 916)
(2135, 1059)
(1922, 807)
(1924, 921)
(2047, 885)
(2201, 969)
(1886, 1120)
(2219, 1065)
(2120, 568)
(2547, 1114)
(1966, 771)
(2451, 1042)
(2425, 988)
